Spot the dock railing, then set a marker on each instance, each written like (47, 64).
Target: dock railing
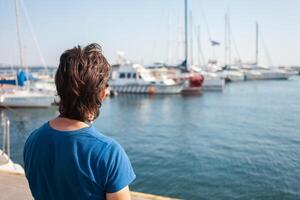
(6, 134)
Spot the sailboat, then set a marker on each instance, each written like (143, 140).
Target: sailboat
(230, 72)
(193, 80)
(211, 81)
(258, 72)
(22, 95)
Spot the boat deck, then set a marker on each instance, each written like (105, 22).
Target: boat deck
(15, 187)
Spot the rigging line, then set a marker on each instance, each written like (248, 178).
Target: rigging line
(156, 55)
(169, 39)
(229, 38)
(191, 39)
(205, 20)
(34, 36)
(197, 33)
(225, 40)
(266, 49)
(235, 46)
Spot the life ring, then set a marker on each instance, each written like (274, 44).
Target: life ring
(2, 79)
(151, 89)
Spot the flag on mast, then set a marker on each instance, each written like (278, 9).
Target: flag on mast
(214, 43)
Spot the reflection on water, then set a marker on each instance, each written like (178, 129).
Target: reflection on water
(242, 143)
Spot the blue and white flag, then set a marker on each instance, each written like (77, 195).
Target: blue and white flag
(214, 43)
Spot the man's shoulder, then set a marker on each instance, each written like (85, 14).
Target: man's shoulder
(99, 137)
(109, 144)
(35, 133)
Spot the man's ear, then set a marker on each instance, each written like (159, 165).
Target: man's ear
(102, 95)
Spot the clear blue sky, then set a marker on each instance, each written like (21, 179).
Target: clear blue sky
(151, 30)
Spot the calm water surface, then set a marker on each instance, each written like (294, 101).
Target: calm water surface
(243, 143)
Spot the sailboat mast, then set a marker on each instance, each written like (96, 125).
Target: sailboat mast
(19, 34)
(191, 39)
(256, 45)
(225, 41)
(186, 33)
(229, 38)
(200, 52)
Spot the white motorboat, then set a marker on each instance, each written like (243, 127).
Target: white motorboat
(45, 85)
(212, 82)
(19, 97)
(296, 68)
(134, 78)
(267, 74)
(231, 75)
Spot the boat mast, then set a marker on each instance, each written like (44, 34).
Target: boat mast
(200, 52)
(198, 45)
(225, 39)
(256, 45)
(191, 39)
(227, 46)
(229, 38)
(19, 35)
(186, 33)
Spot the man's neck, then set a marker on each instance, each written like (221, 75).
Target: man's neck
(66, 124)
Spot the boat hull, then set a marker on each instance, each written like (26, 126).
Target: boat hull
(25, 99)
(267, 75)
(213, 84)
(191, 90)
(147, 89)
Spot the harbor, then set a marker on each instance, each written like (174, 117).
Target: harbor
(223, 145)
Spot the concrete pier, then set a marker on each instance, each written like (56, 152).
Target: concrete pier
(15, 187)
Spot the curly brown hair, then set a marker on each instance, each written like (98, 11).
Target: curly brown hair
(81, 75)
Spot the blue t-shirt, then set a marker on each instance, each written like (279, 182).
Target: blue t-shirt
(81, 164)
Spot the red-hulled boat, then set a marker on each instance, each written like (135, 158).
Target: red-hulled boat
(193, 85)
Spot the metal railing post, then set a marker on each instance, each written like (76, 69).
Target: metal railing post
(7, 138)
(6, 134)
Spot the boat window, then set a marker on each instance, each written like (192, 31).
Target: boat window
(122, 75)
(128, 75)
(134, 75)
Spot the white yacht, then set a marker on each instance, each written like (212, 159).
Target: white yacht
(212, 80)
(232, 75)
(19, 97)
(255, 71)
(45, 85)
(296, 68)
(265, 73)
(134, 78)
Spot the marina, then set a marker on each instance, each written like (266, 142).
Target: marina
(240, 142)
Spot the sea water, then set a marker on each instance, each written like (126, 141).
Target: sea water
(242, 143)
